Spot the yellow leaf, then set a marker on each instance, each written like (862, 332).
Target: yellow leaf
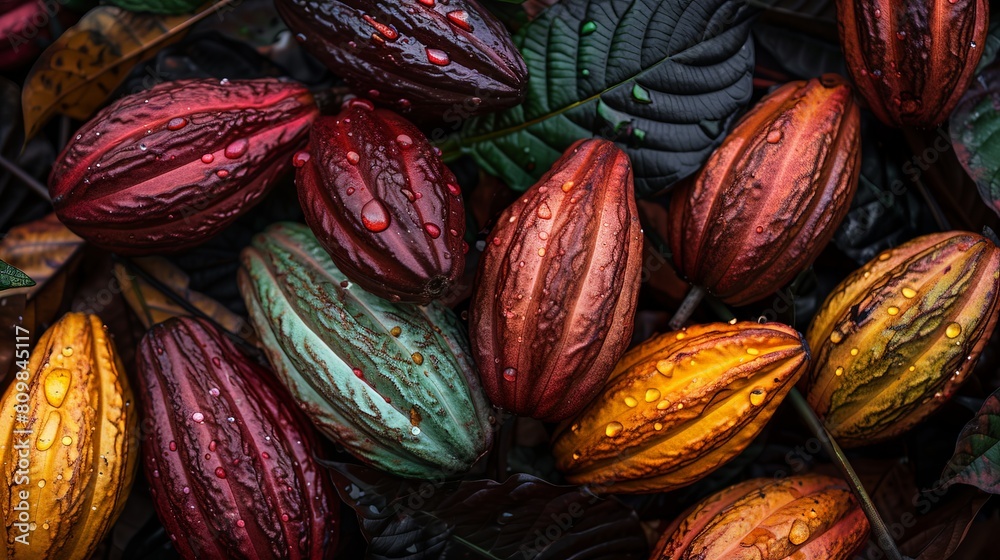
(153, 306)
(76, 74)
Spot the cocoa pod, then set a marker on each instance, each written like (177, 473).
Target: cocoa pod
(896, 338)
(166, 169)
(230, 464)
(807, 517)
(68, 443)
(771, 196)
(912, 59)
(556, 288)
(451, 59)
(679, 406)
(393, 383)
(383, 204)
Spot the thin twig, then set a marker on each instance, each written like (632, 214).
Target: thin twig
(882, 536)
(687, 307)
(25, 178)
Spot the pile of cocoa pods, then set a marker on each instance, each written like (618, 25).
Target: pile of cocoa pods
(381, 329)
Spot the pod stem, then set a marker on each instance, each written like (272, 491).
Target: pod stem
(687, 307)
(882, 536)
(25, 178)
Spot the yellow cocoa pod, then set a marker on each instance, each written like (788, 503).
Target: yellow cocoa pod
(67, 442)
(897, 338)
(679, 406)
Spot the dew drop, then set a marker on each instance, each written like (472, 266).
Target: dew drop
(753, 351)
(901, 35)
(216, 361)
(220, 472)
(186, 490)
(222, 173)
(836, 337)
(884, 256)
(908, 293)
(48, 433)
(237, 148)
(509, 374)
(56, 385)
(404, 140)
(300, 158)
(387, 31)
(395, 331)
(541, 251)
(415, 431)
(285, 517)
(854, 351)
(432, 230)
(972, 44)
(665, 367)
(454, 189)
(374, 216)
(460, 19)
(417, 358)
(66, 440)
(240, 523)
(350, 191)
(576, 455)
(496, 241)
(631, 402)
(640, 94)
(588, 27)
(663, 405)
(172, 446)
(760, 229)
(212, 445)
(799, 533)
(892, 310)
(652, 395)
(353, 158)
(839, 371)
(774, 136)
(757, 397)
(544, 212)
(358, 373)
(207, 158)
(657, 426)
(953, 330)
(613, 429)
(438, 57)
(143, 147)
(567, 186)
(878, 13)
(198, 417)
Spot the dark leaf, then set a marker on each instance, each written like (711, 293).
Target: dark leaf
(665, 78)
(522, 518)
(976, 460)
(158, 6)
(19, 203)
(11, 277)
(937, 535)
(802, 56)
(974, 127)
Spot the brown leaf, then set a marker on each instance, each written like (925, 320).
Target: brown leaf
(153, 306)
(49, 253)
(76, 74)
(938, 534)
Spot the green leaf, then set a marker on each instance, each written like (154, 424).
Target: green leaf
(976, 460)
(11, 277)
(975, 133)
(663, 78)
(171, 7)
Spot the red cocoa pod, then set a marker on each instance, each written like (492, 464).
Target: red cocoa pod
(912, 59)
(771, 196)
(166, 169)
(807, 517)
(450, 59)
(229, 460)
(383, 203)
(556, 289)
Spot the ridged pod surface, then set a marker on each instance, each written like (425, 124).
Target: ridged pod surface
(897, 337)
(807, 517)
(71, 473)
(912, 59)
(771, 196)
(556, 288)
(166, 169)
(230, 461)
(393, 383)
(679, 406)
(445, 58)
(381, 201)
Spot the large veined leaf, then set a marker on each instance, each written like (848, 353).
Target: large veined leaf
(76, 74)
(521, 518)
(976, 460)
(664, 78)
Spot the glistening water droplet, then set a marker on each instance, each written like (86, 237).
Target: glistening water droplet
(438, 57)
(374, 216)
(613, 429)
(237, 148)
(432, 230)
(953, 330)
(460, 19)
(509, 374)
(588, 27)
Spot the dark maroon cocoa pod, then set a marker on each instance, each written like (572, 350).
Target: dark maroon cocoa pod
(166, 169)
(912, 59)
(383, 203)
(230, 460)
(556, 290)
(451, 59)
